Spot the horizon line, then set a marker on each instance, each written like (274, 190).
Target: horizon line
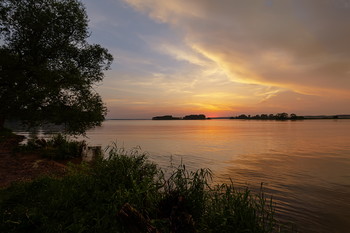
(227, 117)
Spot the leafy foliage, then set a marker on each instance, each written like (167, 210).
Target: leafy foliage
(47, 68)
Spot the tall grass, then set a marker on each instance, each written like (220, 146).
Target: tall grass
(90, 197)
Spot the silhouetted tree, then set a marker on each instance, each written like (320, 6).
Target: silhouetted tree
(293, 116)
(47, 67)
(243, 116)
(195, 117)
(166, 117)
(281, 116)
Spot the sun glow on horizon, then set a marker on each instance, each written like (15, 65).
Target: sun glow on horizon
(222, 59)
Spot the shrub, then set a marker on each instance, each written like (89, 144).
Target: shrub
(5, 134)
(59, 147)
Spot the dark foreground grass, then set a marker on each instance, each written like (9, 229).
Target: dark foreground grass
(90, 199)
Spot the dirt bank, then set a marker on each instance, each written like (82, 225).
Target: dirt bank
(15, 166)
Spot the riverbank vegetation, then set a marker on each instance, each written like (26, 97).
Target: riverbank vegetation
(127, 193)
(58, 147)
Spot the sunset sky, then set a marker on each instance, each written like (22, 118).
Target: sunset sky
(224, 57)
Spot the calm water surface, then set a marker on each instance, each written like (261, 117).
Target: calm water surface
(305, 165)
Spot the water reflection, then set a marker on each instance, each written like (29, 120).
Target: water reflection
(305, 165)
(309, 191)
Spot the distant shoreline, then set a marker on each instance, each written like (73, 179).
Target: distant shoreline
(325, 117)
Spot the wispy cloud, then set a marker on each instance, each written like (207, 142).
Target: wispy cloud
(293, 43)
(229, 54)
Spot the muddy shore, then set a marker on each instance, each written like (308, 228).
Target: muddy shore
(24, 166)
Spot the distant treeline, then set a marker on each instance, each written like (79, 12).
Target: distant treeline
(278, 116)
(188, 117)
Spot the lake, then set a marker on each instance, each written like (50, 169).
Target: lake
(304, 165)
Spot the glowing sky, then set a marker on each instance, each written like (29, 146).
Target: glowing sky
(223, 57)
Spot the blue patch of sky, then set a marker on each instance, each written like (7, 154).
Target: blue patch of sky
(118, 27)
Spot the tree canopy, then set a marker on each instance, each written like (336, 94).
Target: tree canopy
(48, 70)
